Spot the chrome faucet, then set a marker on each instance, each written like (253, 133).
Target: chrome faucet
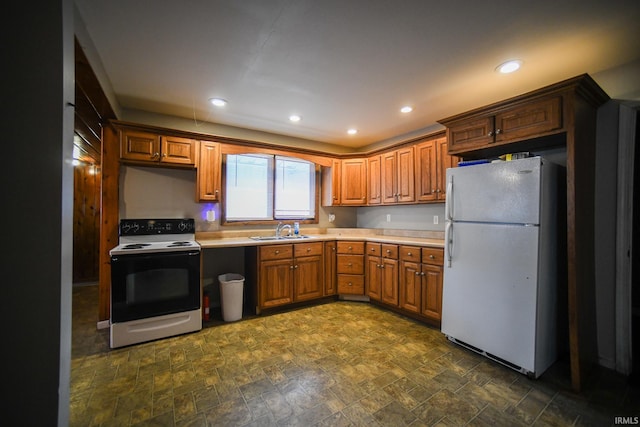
(281, 227)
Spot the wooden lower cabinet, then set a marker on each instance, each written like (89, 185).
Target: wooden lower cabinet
(275, 286)
(350, 268)
(330, 268)
(382, 272)
(420, 287)
(308, 271)
(290, 273)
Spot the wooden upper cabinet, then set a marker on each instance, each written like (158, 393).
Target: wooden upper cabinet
(148, 147)
(331, 183)
(405, 185)
(432, 162)
(524, 121)
(398, 176)
(353, 188)
(209, 172)
(375, 177)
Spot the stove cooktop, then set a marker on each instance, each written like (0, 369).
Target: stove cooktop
(139, 236)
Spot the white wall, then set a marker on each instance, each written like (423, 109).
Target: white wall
(402, 217)
(154, 192)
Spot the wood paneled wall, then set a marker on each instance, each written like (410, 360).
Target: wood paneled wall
(92, 110)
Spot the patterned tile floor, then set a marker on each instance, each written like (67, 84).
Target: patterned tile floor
(336, 364)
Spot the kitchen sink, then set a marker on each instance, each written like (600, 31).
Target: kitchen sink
(278, 237)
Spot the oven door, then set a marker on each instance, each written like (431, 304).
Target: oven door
(154, 284)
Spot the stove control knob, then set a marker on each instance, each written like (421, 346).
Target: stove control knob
(182, 226)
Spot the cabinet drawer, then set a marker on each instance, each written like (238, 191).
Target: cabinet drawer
(433, 256)
(373, 249)
(390, 251)
(351, 264)
(350, 284)
(276, 252)
(307, 249)
(351, 248)
(410, 253)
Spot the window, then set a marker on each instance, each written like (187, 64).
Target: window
(266, 187)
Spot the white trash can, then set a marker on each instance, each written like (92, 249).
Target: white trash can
(231, 293)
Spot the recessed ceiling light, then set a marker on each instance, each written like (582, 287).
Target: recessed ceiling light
(295, 118)
(218, 102)
(509, 66)
(352, 131)
(406, 109)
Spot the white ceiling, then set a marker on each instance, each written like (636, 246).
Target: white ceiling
(353, 63)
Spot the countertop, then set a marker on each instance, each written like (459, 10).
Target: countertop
(226, 239)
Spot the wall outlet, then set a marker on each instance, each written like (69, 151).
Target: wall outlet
(332, 217)
(435, 219)
(388, 217)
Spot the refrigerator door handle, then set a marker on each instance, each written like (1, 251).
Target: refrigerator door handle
(450, 199)
(448, 233)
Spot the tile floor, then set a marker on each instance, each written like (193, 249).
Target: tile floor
(336, 364)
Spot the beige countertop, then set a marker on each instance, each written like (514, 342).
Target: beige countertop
(225, 239)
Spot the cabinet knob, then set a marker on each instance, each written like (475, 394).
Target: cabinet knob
(295, 266)
(422, 274)
(388, 251)
(350, 284)
(333, 248)
(417, 273)
(308, 249)
(155, 155)
(277, 252)
(350, 248)
(373, 249)
(432, 257)
(291, 267)
(490, 133)
(409, 254)
(498, 131)
(350, 264)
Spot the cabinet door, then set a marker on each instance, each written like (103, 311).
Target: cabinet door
(177, 150)
(330, 271)
(331, 184)
(276, 279)
(529, 120)
(140, 146)
(432, 291)
(208, 175)
(373, 278)
(389, 181)
(389, 277)
(307, 278)
(426, 171)
(374, 190)
(405, 186)
(444, 162)
(353, 179)
(410, 286)
(469, 135)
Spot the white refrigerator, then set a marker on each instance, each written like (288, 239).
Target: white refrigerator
(499, 291)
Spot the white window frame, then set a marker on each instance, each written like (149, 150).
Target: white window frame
(273, 178)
